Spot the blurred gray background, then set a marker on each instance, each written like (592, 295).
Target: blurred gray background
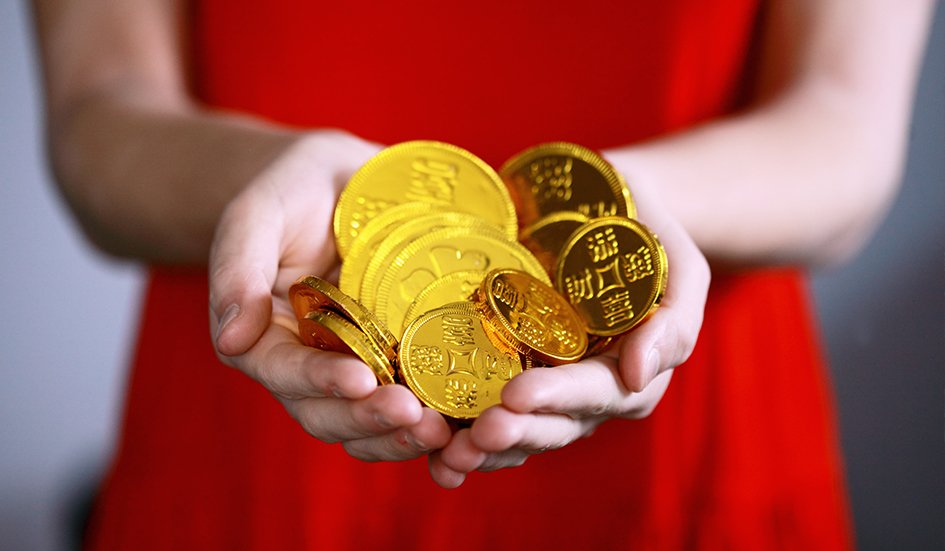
(67, 316)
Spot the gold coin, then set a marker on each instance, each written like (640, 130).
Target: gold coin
(442, 252)
(598, 345)
(454, 287)
(547, 237)
(329, 331)
(613, 271)
(449, 362)
(388, 249)
(311, 293)
(365, 244)
(532, 316)
(560, 176)
(433, 173)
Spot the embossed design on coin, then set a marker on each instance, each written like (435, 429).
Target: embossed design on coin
(613, 271)
(448, 360)
(454, 287)
(443, 252)
(532, 317)
(365, 245)
(564, 177)
(437, 174)
(402, 237)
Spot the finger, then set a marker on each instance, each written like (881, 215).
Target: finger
(589, 389)
(292, 371)
(389, 408)
(668, 337)
(501, 439)
(442, 474)
(243, 263)
(430, 433)
(505, 460)
(499, 430)
(461, 455)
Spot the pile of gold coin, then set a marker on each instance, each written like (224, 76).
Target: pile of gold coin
(455, 277)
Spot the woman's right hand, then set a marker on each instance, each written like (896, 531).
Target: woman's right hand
(275, 230)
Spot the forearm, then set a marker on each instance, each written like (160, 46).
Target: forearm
(146, 171)
(793, 182)
(150, 181)
(804, 174)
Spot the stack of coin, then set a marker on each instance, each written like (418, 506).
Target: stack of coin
(418, 227)
(331, 320)
(427, 234)
(577, 215)
(418, 223)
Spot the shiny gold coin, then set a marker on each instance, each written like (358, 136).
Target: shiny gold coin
(311, 293)
(433, 173)
(547, 237)
(330, 331)
(564, 177)
(398, 239)
(443, 252)
(449, 362)
(454, 287)
(598, 345)
(364, 246)
(613, 271)
(532, 317)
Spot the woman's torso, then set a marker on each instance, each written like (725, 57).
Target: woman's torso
(740, 454)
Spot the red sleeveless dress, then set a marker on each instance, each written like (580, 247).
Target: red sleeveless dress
(740, 454)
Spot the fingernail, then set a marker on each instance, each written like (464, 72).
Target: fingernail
(418, 445)
(231, 312)
(383, 421)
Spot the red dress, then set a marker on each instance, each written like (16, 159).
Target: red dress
(740, 454)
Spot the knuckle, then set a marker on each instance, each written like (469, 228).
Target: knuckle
(267, 374)
(595, 410)
(503, 461)
(316, 430)
(359, 452)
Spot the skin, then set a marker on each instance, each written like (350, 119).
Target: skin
(809, 168)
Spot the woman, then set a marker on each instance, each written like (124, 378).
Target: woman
(765, 140)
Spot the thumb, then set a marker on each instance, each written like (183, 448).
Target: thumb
(669, 336)
(244, 260)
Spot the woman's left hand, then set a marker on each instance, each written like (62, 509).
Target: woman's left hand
(546, 409)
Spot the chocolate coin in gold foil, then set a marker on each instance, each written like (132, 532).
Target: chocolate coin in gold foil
(547, 237)
(386, 251)
(613, 272)
(437, 174)
(329, 331)
(365, 244)
(533, 317)
(598, 345)
(450, 363)
(310, 293)
(443, 252)
(560, 176)
(454, 287)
